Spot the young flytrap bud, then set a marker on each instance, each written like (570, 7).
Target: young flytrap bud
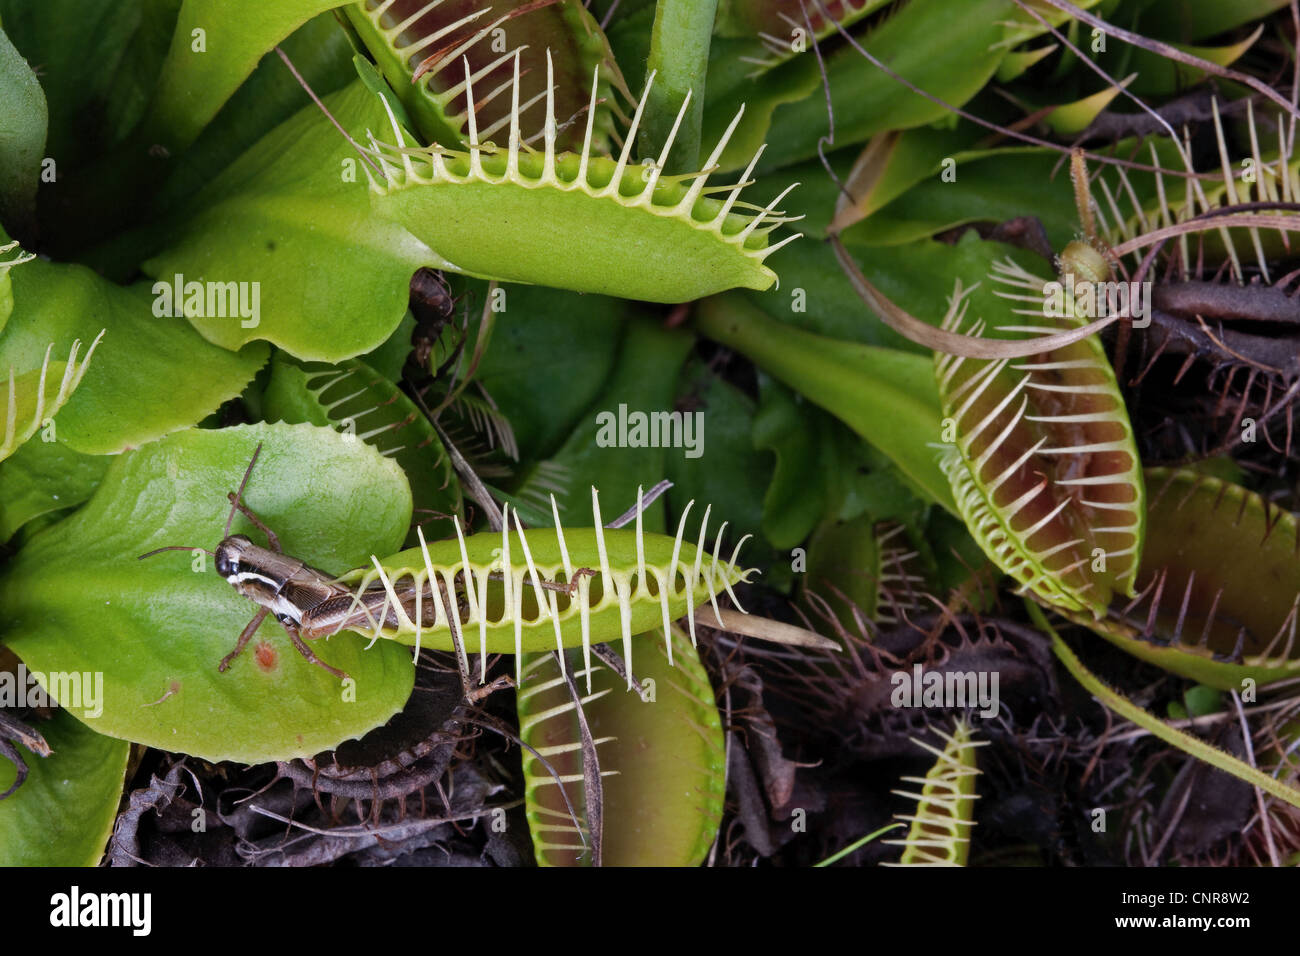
(1087, 289)
(584, 221)
(549, 588)
(33, 397)
(945, 808)
(1084, 262)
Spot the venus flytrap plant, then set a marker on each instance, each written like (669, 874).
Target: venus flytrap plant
(1039, 454)
(1043, 465)
(1219, 588)
(578, 219)
(513, 149)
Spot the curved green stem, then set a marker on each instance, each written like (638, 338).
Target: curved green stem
(1183, 741)
(834, 858)
(679, 58)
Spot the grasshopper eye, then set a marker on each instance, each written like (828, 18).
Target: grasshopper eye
(228, 554)
(225, 562)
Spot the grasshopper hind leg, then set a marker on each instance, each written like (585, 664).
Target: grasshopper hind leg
(308, 654)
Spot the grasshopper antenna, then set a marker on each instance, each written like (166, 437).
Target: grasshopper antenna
(364, 153)
(235, 499)
(175, 547)
(239, 495)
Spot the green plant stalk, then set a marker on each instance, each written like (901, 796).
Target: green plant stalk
(886, 396)
(194, 84)
(835, 858)
(1185, 742)
(679, 59)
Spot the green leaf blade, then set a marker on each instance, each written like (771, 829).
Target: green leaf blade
(63, 813)
(79, 600)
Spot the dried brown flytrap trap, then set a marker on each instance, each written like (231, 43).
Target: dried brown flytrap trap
(1217, 306)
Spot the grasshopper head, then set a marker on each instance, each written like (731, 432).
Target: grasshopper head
(229, 554)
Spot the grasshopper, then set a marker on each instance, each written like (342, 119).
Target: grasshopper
(311, 604)
(307, 602)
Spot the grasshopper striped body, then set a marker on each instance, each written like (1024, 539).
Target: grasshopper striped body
(305, 597)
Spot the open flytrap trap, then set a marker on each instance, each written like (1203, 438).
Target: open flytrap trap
(530, 590)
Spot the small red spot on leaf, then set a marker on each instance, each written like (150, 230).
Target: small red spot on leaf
(266, 656)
